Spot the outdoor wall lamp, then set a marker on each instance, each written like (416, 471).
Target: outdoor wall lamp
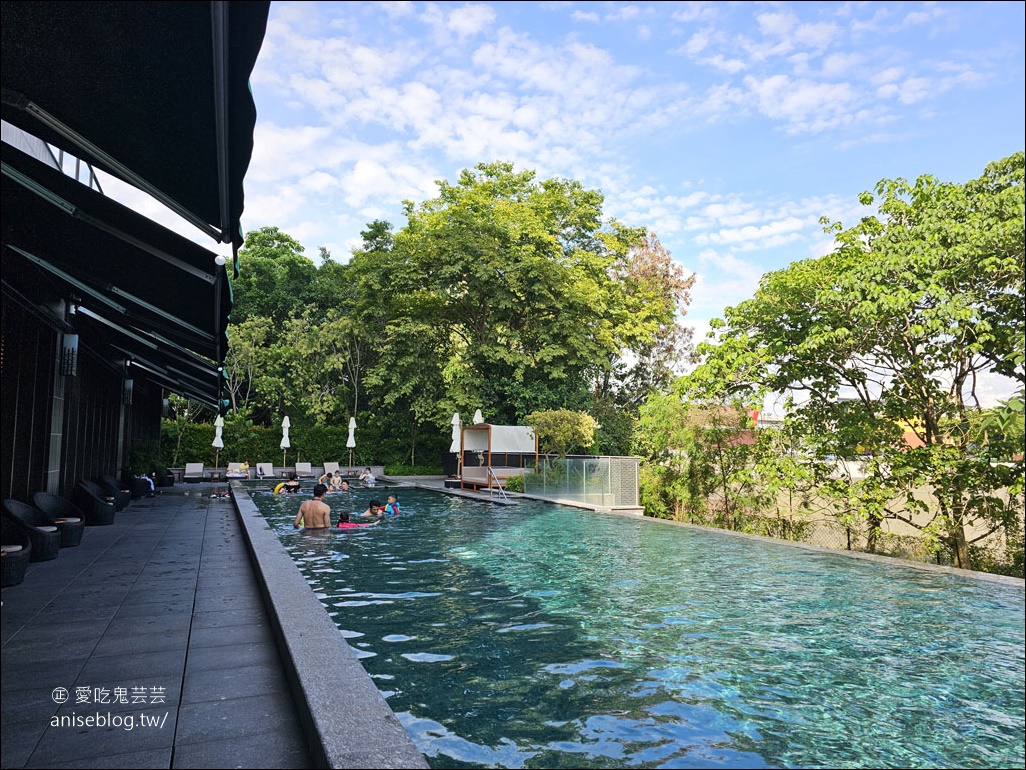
(69, 354)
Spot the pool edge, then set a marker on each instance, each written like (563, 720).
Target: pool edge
(346, 720)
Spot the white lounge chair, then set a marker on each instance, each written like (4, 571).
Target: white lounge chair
(238, 471)
(304, 470)
(194, 472)
(265, 470)
(331, 468)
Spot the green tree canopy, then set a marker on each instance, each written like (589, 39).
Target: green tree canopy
(275, 280)
(506, 293)
(562, 430)
(892, 332)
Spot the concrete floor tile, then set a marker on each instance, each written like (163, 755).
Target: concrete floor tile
(253, 633)
(219, 720)
(228, 683)
(18, 674)
(120, 644)
(18, 744)
(64, 744)
(267, 750)
(231, 656)
(221, 618)
(129, 668)
(155, 758)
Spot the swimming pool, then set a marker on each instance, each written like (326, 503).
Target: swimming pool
(546, 636)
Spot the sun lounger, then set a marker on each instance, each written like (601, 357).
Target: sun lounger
(304, 470)
(194, 472)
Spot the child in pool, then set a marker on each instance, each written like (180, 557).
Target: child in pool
(345, 523)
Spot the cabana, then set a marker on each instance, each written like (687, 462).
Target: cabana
(491, 454)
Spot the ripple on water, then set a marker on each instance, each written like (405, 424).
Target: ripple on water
(427, 657)
(584, 640)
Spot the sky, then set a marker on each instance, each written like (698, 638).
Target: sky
(726, 128)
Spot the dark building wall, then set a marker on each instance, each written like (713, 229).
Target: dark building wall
(93, 431)
(91, 423)
(27, 349)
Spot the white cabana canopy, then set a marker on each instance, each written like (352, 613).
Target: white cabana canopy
(499, 438)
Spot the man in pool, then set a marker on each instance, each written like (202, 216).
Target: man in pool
(314, 514)
(375, 510)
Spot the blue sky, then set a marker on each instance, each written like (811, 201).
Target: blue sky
(727, 128)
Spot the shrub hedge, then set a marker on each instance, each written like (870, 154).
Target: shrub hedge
(243, 442)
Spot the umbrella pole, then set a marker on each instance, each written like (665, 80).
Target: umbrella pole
(350, 463)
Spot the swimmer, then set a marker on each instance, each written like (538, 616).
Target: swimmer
(345, 523)
(314, 514)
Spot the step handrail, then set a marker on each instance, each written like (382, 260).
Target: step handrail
(502, 491)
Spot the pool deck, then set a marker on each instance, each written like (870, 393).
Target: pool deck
(193, 609)
(186, 610)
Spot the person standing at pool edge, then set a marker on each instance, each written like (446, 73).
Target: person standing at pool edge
(315, 514)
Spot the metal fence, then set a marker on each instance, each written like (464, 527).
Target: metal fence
(821, 527)
(606, 482)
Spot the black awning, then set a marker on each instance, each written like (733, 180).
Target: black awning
(156, 93)
(150, 276)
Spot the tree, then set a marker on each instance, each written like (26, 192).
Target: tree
(275, 280)
(562, 430)
(702, 458)
(889, 335)
(246, 360)
(510, 286)
(657, 293)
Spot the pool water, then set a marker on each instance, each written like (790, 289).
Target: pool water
(542, 636)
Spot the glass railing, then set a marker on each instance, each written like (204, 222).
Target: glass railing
(610, 482)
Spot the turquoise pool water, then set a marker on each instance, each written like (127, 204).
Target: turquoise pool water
(542, 636)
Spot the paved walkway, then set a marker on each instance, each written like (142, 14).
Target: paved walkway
(162, 610)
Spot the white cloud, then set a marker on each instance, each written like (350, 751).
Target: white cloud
(841, 64)
(768, 235)
(777, 24)
(916, 90)
(696, 10)
(728, 132)
(697, 43)
(470, 20)
(804, 105)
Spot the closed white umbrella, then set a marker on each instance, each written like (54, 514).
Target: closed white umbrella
(455, 445)
(351, 441)
(285, 424)
(218, 442)
(478, 418)
(457, 442)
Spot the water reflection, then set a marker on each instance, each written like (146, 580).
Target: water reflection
(543, 636)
